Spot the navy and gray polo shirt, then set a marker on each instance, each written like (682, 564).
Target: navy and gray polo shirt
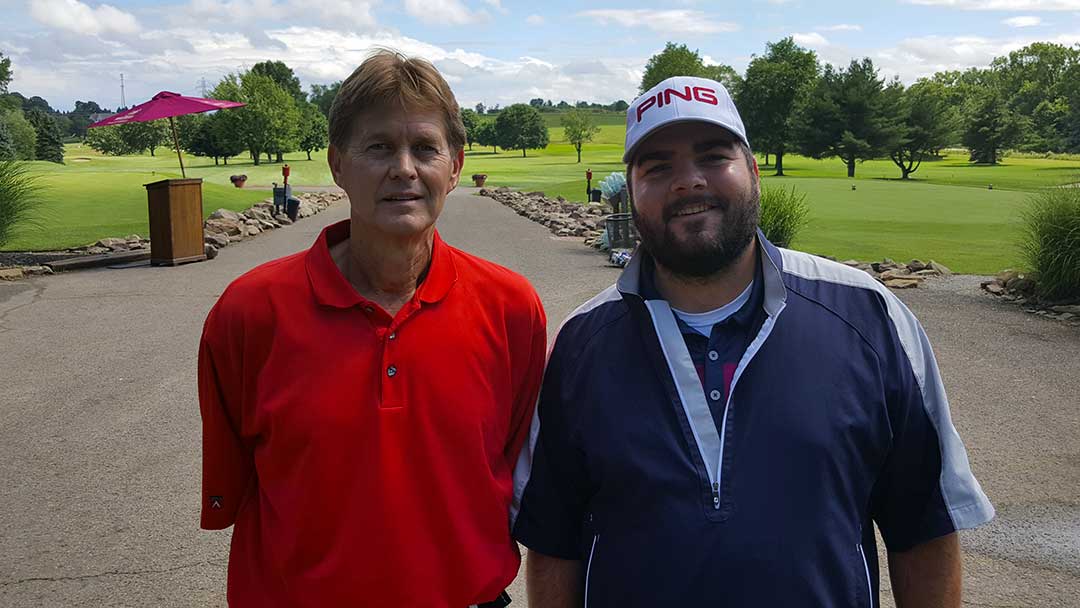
(836, 419)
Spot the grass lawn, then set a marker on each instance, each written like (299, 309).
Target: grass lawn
(968, 230)
(946, 212)
(93, 196)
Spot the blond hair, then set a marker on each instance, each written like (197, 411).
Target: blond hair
(390, 78)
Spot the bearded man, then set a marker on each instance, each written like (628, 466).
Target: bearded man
(725, 425)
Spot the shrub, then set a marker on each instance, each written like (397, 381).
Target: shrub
(19, 196)
(1050, 242)
(783, 214)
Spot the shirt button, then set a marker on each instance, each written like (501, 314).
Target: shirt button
(369, 309)
(713, 355)
(714, 395)
(393, 336)
(391, 371)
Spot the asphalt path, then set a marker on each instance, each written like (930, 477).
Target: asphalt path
(99, 422)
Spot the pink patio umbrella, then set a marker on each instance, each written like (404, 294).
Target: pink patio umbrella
(167, 105)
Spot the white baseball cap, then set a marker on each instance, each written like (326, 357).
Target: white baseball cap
(681, 99)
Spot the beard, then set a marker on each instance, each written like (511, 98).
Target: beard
(703, 252)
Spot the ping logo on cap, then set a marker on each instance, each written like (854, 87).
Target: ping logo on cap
(663, 97)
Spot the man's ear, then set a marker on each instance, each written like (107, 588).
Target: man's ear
(334, 159)
(459, 164)
(756, 171)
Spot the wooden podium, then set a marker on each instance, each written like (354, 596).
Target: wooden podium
(176, 221)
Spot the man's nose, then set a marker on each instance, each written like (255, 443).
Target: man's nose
(402, 165)
(688, 177)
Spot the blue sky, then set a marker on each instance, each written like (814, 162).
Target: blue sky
(491, 51)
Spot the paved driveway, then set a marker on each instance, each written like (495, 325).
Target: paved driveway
(99, 424)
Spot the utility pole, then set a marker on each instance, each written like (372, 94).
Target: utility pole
(123, 102)
(202, 86)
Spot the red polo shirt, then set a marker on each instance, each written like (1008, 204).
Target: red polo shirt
(364, 459)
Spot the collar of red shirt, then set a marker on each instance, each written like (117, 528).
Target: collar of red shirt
(331, 288)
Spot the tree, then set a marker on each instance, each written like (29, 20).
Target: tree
(990, 126)
(537, 102)
(106, 140)
(36, 103)
(520, 127)
(619, 106)
(1034, 82)
(48, 142)
(679, 60)
(480, 109)
(131, 138)
(471, 120)
(927, 123)
(7, 143)
(322, 95)
(144, 136)
(844, 115)
(284, 76)
(80, 117)
(486, 136)
(578, 128)
(268, 123)
(768, 96)
(5, 74)
(23, 137)
(314, 129)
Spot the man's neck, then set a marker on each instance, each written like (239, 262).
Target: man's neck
(385, 270)
(694, 295)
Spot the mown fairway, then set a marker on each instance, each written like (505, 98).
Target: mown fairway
(946, 212)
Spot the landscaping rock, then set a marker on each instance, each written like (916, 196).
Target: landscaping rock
(940, 268)
(994, 288)
(11, 274)
(916, 266)
(901, 283)
(901, 274)
(216, 239)
(228, 227)
(210, 251)
(96, 250)
(226, 214)
(113, 244)
(36, 270)
(1072, 309)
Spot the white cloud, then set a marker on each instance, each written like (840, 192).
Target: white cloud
(813, 40)
(442, 12)
(330, 12)
(676, 21)
(1003, 5)
(75, 16)
(497, 5)
(534, 20)
(1024, 21)
(841, 27)
(915, 58)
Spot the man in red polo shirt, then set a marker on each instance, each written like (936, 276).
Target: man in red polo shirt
(364, 402)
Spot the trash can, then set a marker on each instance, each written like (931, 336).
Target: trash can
(281, 198)
(594, 195)
(292, 207)
(620, 231)
(176, 221)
